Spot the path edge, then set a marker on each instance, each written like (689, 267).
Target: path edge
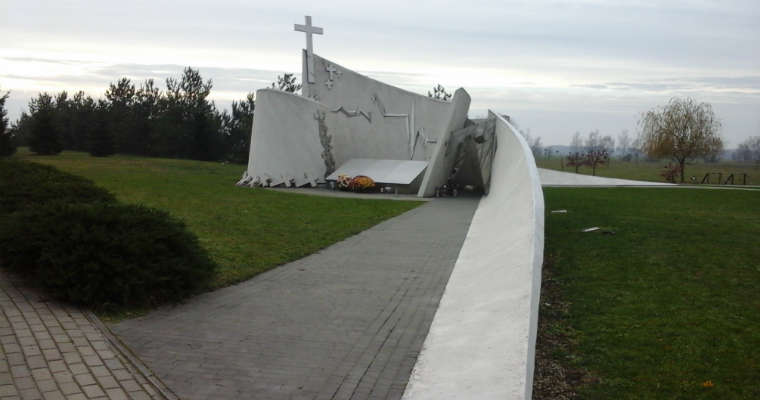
(137, 364)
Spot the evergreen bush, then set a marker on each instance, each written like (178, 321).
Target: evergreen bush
(24, 184)
(73, 239)
(105, 255)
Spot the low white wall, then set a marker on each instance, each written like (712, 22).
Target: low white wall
(481, 344)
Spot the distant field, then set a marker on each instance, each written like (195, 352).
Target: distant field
(650, 171)
(246, 231)
(668, 306)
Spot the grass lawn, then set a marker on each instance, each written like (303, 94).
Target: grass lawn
(669, 306)
(246, 231)
(650, 170)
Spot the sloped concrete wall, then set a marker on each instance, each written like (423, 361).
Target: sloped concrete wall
(481, 344)
(363, 118)
(285, 141)
(400, 120)
(444, 153)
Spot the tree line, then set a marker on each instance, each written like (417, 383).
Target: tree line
(179, 121)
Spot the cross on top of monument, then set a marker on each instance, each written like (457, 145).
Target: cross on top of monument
(309, 30)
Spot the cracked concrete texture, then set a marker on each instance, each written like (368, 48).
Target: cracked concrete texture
(345, 323)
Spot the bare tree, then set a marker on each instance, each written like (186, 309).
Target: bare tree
(624, 142)
(598, 149)
(536, 147)
(576, 143)
(577, 160)
(749, 150)
(682, 130)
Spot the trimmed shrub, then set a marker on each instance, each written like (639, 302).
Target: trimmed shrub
(24, 184)
(105, 255)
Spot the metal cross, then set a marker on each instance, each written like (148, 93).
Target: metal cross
(309, 30)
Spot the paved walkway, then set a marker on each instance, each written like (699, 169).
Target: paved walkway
(51, 351)
(345, 323)
(551, 177)
(339, 193)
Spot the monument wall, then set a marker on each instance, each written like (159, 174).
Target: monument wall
(285, 142)
(382, 121)
(481, 343)
(298, 140)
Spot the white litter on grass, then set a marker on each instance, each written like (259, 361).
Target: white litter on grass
(559, 211)
(593, 228)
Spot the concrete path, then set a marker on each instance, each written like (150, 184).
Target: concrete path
(51, 351)
(339, 193)
(558, 178)
(345, 323)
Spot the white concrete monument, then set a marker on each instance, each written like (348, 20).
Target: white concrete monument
(342, 115)
(482, 340)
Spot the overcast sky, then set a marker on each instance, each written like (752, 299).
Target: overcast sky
(556, 66)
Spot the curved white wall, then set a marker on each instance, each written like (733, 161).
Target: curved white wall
(481, 344)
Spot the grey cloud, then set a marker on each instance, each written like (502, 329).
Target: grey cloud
(43, 60)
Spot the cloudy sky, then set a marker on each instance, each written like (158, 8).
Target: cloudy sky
(556, 66)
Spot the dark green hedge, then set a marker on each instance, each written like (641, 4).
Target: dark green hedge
(87, 249)
(24, 184)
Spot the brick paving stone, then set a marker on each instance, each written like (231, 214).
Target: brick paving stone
(72, 358)
(337, 324)
(70, 388)
(51, 354)
(107, 382)
(85, 379)
(41, 374)
(93, 391)
(8, 390)
(121, 374)
(116, 394)
(63, 377)
(92, 360)
(56, 395)
(130, 385)
(47, 386)
(100, 371)
(30, 394)
(44, 345)
(77, 369)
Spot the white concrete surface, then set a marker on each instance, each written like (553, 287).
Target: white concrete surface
(444, 154)
(400, 172)
(481, 344)
(399, 120)
(285, 143)
(358, 117)
(551, 177)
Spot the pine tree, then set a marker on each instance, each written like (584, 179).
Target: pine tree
(101, 138)
(44, 136)
(7, 145)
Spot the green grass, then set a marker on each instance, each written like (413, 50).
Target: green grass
(246, 231)
(650, 170)
(668, 302)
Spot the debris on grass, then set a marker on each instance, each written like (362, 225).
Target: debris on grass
(559, 211)
(592, 229)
